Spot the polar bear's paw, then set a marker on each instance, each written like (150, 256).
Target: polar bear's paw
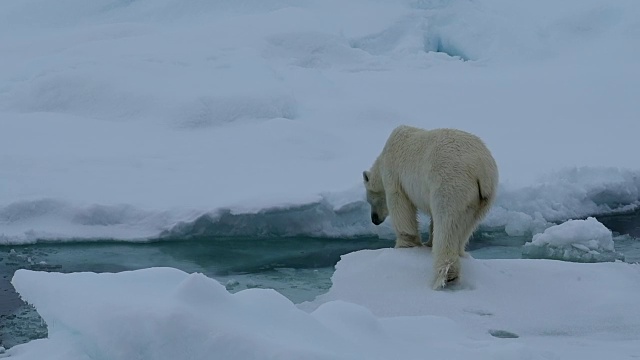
(407, 241)
(446, 273)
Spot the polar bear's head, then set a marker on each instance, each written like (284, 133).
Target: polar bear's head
(376, 198)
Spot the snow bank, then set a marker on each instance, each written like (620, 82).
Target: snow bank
(575, 240)
(180, 112)
(379, 307)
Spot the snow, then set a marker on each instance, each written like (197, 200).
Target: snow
(574, 240)
(138, 120)
(379, 307)
(122, 119)
(525, 297)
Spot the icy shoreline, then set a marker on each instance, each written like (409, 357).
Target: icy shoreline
(518, 212)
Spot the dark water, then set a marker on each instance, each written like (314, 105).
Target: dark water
(628, 223)
(299, 268)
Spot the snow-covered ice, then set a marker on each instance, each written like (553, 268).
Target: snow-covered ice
(121, 120)
(574, 240)
(379, 307)
(143, 119)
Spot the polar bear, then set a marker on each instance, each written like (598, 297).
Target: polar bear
(448, 174)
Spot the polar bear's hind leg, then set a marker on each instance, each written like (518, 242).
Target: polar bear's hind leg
(451, 234)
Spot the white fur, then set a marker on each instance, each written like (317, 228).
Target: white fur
(448, 174)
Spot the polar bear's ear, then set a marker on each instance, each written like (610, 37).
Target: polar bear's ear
(365, 176)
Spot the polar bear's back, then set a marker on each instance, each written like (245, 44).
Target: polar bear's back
(438, 147)
(443, 158)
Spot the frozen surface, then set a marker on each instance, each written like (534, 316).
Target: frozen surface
(175, 315)
(574, 240)
(526, 297)
(121, 120)
(378, 308)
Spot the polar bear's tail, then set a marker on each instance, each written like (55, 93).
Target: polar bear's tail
(487, 185)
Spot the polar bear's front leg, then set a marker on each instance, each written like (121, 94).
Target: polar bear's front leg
(405, 220)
